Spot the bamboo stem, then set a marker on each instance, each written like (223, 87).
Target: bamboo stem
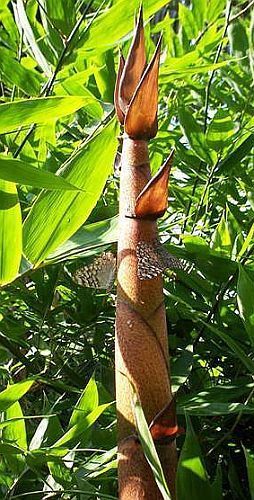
(141, 335)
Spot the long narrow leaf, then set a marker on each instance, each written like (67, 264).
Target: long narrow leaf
(10, 232)
(12, 72)
(24, 24)
(56, 216)
(13, 393)
(117, 22)
(87, 238)
(150, 450)
(22, 173)
(192, 477)
(83, 424)
(41, 110)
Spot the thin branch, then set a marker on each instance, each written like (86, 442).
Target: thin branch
(49, 85)
(207, 184)
(48, 19)
(216, 59)
(243, 11)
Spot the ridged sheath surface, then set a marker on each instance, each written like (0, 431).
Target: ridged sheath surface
(141, 334)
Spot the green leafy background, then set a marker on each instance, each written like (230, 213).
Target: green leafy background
(58, 209)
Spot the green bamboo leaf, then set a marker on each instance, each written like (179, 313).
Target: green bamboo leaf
(215, 9)
(76, 85)
(196, 137)
(208, 409)
(25, 26)
(170, 73)
(87, 402)
(75, 432)
(247, 242)
(114, 24)
(22, 173)
(9, 24)
(241, 149)
(72, 87)
(61, 214)
(13, 393)
(249, 457)
(150, 450)
(61, 14)
(199, 9)
(25, 112)
(220, 130)
(245, 295)
(105, 75)
(10, 232)
(13, 73)
(192, 478)
(15, 432)
(221, 241)
(188, 21)
(88, 237)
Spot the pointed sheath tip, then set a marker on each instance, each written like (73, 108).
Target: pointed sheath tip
(140, 19)
(139, 16)
(152, 202)
(141, 116)
(134, 66)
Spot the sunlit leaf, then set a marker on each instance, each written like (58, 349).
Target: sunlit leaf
(111, 26)
(61, 214)
(13, 73)
(24, 25)
(10, 232)
(21, 173)
(27, 111)
(150, 450)
(75, 432)
(192, 478)
(87, 402)
(15, 433)
(87, 238)
(13, 393)
(196, 137)
(220, 130)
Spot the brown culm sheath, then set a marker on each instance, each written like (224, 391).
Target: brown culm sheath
(141, 329)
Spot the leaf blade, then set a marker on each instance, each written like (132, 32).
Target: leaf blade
(22, 173)
(61, 214)
(10, 232)
(25, 112)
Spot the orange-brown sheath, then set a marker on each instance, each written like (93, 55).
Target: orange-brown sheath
(141, 330)
(141, 335)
